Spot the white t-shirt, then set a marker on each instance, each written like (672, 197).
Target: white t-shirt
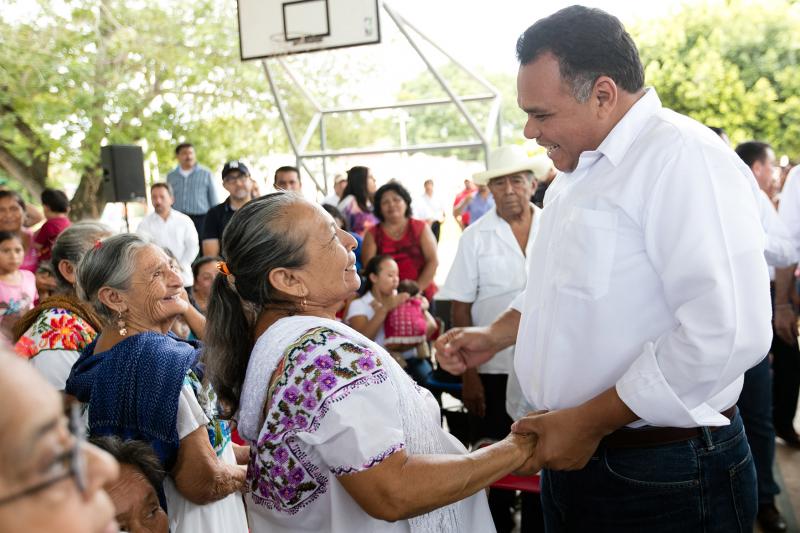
(222, 516)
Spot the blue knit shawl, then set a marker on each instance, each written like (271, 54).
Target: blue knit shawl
(133, 389)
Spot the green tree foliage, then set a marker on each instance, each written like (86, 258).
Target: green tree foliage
(89, 73)
(730, 64)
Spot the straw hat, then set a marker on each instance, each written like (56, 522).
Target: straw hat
(505, 160)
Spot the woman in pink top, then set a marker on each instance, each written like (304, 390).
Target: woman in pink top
(12, 215)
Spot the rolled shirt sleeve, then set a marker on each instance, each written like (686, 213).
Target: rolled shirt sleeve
(705, 241)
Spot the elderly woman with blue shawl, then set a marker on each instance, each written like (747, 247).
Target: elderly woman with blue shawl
(342, 438)
(141, 382)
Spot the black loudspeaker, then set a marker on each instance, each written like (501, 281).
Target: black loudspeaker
(123, 173)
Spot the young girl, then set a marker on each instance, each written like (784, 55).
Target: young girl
(17, 287)
(410, 324)
(367, 314)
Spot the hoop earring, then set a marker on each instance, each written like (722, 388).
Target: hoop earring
(123, 330)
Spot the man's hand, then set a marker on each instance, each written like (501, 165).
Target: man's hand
(566, 439)
(462, 348)
(472, 393)
(785, 322)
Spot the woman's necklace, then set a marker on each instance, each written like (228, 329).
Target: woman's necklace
(396, 231)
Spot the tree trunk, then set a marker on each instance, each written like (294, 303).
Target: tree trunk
(88, 202)
(30, 177)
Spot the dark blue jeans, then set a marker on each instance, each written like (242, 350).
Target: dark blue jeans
(755, 406)
(704, 484)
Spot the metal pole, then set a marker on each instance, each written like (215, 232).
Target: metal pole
(323, 145)
(436, 75)
(281, 109)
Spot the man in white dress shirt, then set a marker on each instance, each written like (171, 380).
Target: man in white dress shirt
(171, 229)
(647, 296)
(429, 207)
(489, 270)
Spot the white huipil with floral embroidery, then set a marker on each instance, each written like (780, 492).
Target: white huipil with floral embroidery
(333, 411)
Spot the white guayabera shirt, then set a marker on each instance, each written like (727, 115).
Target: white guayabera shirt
(647, 274)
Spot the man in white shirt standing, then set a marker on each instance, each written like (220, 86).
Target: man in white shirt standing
(755, 401)
(171, 229)
(647, 297)
(430, 208)
(489, 270)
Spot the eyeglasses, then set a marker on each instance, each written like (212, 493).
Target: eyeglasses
(74, 460)
(516, 181)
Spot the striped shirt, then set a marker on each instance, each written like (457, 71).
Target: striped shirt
(194, 194)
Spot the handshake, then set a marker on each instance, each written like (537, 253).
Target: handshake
(563, 439)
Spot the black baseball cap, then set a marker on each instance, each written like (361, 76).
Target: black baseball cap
(234, 165)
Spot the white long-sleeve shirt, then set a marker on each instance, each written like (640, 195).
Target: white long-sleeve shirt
(178, 234)
(789, 207)
(780, 250)
(647, 275)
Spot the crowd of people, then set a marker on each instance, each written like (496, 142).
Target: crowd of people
(266, 363)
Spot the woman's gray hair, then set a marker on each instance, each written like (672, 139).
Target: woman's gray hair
(72, 243)
(109, 263)
(258, 239)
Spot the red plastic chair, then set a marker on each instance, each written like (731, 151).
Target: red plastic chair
(523, 483)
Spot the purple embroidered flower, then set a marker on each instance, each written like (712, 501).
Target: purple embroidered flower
(309, 403)
(296, 476)
(366, 363)
(287, 422)
(327, 381)
(264, 487)
(301, 358)
(308, 347)
(281, 454)
(287, 492)
(308, 386)
(300, 421)
(292, 394)
(277, 471)
(324, 362)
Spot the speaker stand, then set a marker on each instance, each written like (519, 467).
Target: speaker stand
(125, 216)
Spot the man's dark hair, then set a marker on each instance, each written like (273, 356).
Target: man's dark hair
(181, 146)
(56, 200)
(719, 131)
(588, 43)
(752, 151)
(396, 188)
(286, 168)
(163, 185)
(135, 453)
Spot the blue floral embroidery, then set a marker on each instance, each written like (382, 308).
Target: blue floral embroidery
(281, 476)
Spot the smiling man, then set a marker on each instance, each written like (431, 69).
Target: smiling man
(647, 297)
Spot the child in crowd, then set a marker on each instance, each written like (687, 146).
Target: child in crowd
(409, 324)
(17, 287)
(46, 283)
(56, 207)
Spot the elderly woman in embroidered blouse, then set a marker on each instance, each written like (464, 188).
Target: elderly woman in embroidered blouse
(52, 334)
(341, 438)
(142, 383)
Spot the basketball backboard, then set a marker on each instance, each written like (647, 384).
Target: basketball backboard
(269, 28)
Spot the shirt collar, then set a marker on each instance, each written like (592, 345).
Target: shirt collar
(620, 138)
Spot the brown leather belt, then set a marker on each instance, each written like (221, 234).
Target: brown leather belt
(656, 436)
